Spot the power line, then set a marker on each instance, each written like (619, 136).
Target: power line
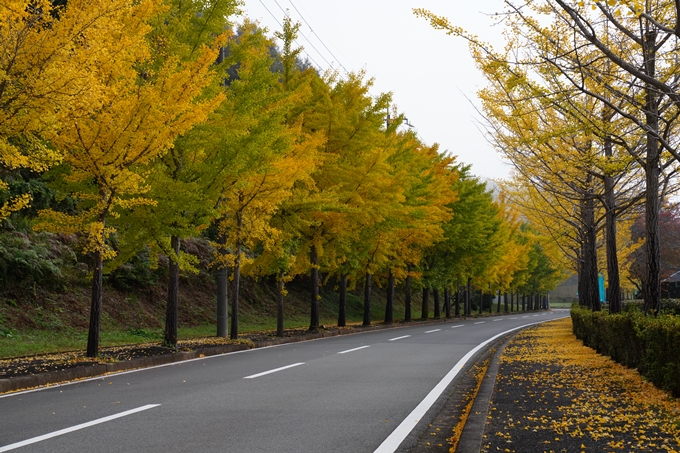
(306, 39)
(281, 25)
(318, 37)
(270, 13)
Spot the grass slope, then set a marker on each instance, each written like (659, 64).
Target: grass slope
(46, 321)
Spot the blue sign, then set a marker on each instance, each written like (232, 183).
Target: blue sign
(600, 283)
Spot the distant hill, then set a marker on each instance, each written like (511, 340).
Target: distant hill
(567, 291)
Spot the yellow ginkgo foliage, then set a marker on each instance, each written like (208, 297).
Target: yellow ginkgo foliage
(49, 57)
(141, 112)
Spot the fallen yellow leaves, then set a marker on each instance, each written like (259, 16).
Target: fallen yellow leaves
(552, 389)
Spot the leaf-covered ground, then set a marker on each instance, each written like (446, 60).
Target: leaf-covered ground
(553, 394)
(58, 361)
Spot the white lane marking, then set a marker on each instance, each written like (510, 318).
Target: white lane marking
(139, 370)
(435, 330)
(459, 325)
(399, 338)
(355, 349)
(480, 322)
(395, 439)
(253, 376)
(535, 315)
(513, 318)
(524, 316)
(75, 428)
(496, 320)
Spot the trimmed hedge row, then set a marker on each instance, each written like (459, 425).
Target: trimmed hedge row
(649, 344)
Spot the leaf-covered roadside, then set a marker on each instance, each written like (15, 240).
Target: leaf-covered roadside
(60, 361)
(555, 395)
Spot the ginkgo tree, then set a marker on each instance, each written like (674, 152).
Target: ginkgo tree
(428, 179)
(353, 159)
(182, 207)
(637, 40)
(46, 76)
(254, 152)
(140, 115)
(564, 132)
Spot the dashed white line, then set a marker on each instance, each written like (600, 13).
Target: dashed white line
(480, 322)
(524, 316)
(253, 376)
(355, 349)
(496, 320)
(431, 331)
(75, 428)
(459, 325)
(399, 338)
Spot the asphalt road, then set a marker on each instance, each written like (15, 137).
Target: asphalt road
(353, 393)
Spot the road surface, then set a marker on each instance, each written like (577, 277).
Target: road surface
(352, 393)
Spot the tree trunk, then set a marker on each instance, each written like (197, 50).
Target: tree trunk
(481, 301)
(314, 261)
(457, 309)
(498, 307)
(592, 291)
(468, 302)
(613, 280)
(407, 298)
(437, 311)
(505, 302)
(95, 306)
(172, 306)
(279, 304)
(367, 300)
(222, 291)
(342, 302)
(447, 303)
(491, 293)
(389, 306)
(236, 293)
(425, 306)
(652, 293)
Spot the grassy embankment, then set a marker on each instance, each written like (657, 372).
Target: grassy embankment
(51, 322)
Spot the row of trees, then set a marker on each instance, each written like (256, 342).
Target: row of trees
(157, 122)
(583, 101)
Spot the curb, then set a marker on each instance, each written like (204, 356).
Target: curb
(472, 437)
(443, 418)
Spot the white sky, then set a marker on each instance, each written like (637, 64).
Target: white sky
(431, 74)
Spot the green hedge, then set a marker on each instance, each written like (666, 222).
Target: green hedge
(650, 344)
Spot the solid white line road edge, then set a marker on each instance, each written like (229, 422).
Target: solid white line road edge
(34, 440)
(253, 376)
(395, 439)
(355, 349)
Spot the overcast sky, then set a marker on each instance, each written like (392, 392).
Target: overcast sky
(431, 74)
